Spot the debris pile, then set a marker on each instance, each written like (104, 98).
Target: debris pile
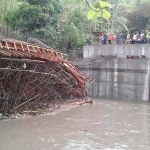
(33, 78)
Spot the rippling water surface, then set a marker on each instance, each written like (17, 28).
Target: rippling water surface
(104, 125)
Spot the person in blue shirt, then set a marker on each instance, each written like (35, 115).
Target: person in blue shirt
(105, 39)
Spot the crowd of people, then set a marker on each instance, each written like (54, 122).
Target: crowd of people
(120, 38)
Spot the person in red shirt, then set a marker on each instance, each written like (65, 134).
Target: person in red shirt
(110, 38)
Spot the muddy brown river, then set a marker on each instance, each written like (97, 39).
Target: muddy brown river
(104, 125)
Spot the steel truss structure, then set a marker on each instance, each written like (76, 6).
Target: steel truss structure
(33, 77)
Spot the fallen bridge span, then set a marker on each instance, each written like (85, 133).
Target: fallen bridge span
(33, 77)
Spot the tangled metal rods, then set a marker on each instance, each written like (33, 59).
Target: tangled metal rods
(33, 78)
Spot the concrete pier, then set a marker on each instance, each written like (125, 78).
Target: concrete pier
(118, 78)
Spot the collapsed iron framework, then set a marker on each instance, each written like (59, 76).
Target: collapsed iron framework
(33, 77)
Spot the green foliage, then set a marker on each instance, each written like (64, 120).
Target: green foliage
(64, 23)
(138, 19)
(27, 17)
(38, 2)
(98, 10)
(5, 6)
(148, 25)
(33, 15)
(74, 28)
(48, 6)
(75, 17)
(118, 21)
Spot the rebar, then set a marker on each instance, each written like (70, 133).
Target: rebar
(37, 78)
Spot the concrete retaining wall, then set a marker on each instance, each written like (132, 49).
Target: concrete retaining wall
(120, 50)
(119, 78)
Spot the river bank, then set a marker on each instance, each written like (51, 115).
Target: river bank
(54, 109)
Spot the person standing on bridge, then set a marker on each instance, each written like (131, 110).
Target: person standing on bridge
(134, 38)
(105, 39)
(110, 38)
(119, 38)
(128, 39)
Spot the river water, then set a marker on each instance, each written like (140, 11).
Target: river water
(104, 125)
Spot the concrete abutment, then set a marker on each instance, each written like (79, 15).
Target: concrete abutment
(118, 78)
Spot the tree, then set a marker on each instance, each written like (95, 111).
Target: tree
(48, 6)
(5, 6)
(75, 28)
(33, 15)
(26, 17)
(138, 19)
(118, 21)
(64, 23)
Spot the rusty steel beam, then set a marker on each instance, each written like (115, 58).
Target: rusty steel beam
(33, 77)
